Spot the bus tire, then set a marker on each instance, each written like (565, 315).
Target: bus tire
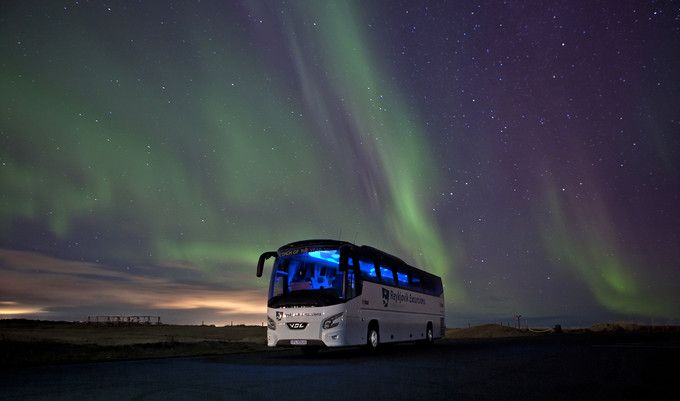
(373, 337)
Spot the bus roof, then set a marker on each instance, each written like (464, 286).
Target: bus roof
(314, 243)
(363, 250)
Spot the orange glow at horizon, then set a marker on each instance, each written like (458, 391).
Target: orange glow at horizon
(39, 285)
(224, 304)
(14, 308)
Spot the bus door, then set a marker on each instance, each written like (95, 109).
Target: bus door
(353, 303)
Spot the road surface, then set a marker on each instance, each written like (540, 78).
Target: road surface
(556, 368)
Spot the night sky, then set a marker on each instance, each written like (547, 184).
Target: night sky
(526, 152)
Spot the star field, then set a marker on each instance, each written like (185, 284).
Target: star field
(526, 153)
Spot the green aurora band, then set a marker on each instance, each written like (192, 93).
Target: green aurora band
(386, 129)
(587, 246)
(208, 143)
(98, 142)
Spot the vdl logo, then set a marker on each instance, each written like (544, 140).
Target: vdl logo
(386, 297)
(279, 315)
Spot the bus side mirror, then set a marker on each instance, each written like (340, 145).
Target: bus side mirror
(260, 262)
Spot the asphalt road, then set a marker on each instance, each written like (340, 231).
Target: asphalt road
(556, 368)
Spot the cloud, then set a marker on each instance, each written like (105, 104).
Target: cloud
(36, 284)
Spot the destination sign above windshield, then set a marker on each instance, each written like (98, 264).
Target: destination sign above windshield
(306, 249)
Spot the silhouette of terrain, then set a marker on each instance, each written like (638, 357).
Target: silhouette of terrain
(30, 342)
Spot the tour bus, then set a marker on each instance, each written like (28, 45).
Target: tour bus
(328, 293)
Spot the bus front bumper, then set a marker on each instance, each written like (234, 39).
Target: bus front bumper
(329, 338)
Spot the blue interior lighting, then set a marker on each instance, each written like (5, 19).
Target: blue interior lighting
(367, 268)
(386, 275)
(328, 256)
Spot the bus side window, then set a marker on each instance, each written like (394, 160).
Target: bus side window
(428, 285)
(386, 275)
(367, 269)
(438, 287)
(351, 285)
(402, 278)
(415, 282)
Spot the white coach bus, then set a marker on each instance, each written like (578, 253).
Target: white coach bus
(327, 293)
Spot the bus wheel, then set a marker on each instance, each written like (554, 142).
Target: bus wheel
(429, 334)
(373, 338)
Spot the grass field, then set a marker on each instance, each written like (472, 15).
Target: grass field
(28, 342)
(108, 335)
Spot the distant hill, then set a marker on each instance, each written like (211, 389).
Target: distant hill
(631, 328)
(498, 331)
(31, 323)
(487, 331)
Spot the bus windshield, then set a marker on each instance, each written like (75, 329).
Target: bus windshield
(307, 279)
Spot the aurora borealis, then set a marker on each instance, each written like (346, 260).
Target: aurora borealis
(527, 154)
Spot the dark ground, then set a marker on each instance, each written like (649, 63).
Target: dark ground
(602, 366)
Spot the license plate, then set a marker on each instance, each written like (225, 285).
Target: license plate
(298, 342)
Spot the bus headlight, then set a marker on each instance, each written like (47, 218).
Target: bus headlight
(271, 325)
(332, 321)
